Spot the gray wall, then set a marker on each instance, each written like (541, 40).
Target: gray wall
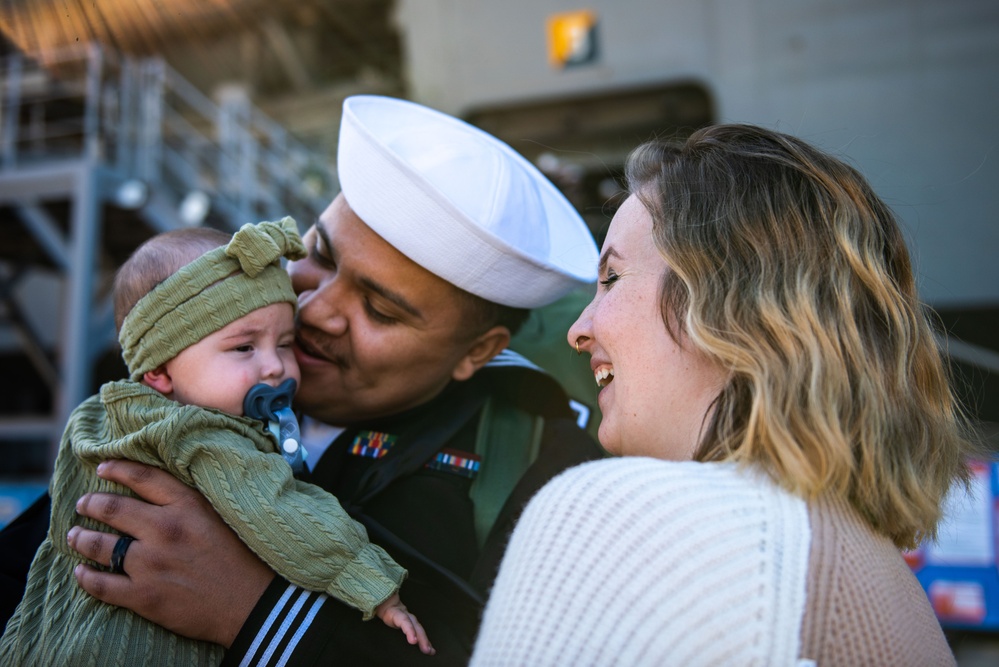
(907, 90)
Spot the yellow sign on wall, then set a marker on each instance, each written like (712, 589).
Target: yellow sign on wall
(572, 38)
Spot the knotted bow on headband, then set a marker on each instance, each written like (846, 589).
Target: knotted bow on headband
(258, 246)
(211, 292)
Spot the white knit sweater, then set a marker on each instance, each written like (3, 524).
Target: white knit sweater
(637, 561)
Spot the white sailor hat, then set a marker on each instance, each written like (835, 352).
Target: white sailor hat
(461, 203)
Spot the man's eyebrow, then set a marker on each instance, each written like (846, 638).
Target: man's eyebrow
(369, 284)
(325, 237)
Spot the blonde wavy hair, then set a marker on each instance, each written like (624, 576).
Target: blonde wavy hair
(787, 269)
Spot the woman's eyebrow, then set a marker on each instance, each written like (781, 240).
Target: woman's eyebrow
(610, 252)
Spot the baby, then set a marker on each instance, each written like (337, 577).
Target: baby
(202, 319)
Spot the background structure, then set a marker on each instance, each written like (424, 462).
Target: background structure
(157, 114)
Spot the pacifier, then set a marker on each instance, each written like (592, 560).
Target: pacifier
(272, 405)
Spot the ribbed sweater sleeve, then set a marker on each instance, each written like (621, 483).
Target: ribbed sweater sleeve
(644, 562)
(298, 529)
(865, 607)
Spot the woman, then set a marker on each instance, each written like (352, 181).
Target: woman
(784, 420)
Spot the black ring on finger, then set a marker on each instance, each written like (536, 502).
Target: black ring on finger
(118, 554)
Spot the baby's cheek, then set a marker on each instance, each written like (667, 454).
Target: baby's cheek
(291, 369)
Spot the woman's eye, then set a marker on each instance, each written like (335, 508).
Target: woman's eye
(609, 280)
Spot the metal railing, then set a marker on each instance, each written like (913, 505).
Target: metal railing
(145, 121)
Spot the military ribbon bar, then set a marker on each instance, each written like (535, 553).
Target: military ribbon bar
(372, 444)
(457, 462)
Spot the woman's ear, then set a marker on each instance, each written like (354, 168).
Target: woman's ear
(159, 379)
(483, 348)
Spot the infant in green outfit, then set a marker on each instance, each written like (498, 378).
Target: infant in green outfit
(201, 319)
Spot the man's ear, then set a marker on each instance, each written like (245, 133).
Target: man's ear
(159, 379)
(483, 348)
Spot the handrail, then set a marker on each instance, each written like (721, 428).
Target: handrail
(145, 120)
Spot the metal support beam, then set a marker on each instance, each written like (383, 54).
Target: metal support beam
(11, 110)
(27, 336)
(47, 181)
(46, 232)
(91, 114)
(75, 355)
(150, 104)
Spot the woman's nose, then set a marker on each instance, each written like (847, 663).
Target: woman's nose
(580, 333)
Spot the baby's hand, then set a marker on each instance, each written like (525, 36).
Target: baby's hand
(395, 615)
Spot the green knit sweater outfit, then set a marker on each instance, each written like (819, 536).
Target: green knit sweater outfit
(298, 529)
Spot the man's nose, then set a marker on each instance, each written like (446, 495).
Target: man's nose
(323, 307)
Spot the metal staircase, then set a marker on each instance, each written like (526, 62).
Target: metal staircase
(97, 153)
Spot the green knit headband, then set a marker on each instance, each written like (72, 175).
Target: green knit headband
(214, 290)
